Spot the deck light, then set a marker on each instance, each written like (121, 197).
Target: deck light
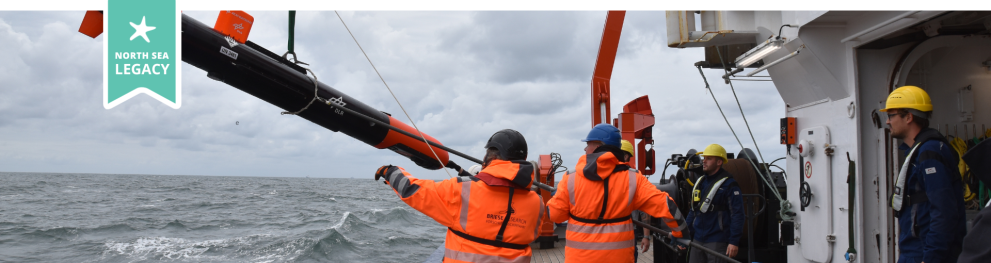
(768, 65)
(757, 53)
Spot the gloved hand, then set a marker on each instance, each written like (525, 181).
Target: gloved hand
(384, 171)
(452, 165)
(680, 243)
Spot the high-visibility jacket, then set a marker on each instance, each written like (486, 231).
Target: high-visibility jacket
(598, 200)
(474, 209)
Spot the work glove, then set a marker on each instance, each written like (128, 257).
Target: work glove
(385, 171)
(452, 165)
(680, 243)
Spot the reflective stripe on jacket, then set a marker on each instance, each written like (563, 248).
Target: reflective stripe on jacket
(477, 210)
(606, 182)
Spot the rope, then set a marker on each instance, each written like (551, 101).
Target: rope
(316, 87)
(316, 84)
(740, 106)
(393, 95)
(785, 205)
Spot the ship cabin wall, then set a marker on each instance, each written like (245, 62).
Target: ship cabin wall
(941, 65)
(818, 87)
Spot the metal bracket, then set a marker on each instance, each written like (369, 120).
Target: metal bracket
(829, 149)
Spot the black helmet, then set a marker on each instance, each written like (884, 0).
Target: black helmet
(510, 144)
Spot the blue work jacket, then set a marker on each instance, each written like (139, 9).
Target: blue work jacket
(724, 222)
(931, 228)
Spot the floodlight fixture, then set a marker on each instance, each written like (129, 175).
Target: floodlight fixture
(757, 53)
(768, 65)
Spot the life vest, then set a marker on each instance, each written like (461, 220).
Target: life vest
(706, 204)
(491, 217)
(597, 201)
(898, 193)
(498, 219)
(600, 229)
(898, 196)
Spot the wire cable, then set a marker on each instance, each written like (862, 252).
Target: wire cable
(776, 160)
(316, 88)
(740, 106)
(785, 205)
(442, 164)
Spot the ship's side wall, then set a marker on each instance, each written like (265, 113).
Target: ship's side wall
(878, 227)
(818, 88)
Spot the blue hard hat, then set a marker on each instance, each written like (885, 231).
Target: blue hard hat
(605, 133)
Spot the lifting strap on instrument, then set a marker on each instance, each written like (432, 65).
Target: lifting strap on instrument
(292, 40)
(292, 30)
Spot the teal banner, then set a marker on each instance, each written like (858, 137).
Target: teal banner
(140, 50)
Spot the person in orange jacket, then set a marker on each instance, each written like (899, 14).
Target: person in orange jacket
(490, 217)
(599, 198)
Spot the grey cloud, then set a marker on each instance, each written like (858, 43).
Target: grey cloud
(530, 46)
(461, 76)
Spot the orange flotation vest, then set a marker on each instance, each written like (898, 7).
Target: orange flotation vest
(491, 217)
(598, 200)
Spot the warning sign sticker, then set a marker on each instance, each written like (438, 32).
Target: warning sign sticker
(808, 169)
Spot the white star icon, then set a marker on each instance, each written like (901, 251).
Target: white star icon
(141, 30)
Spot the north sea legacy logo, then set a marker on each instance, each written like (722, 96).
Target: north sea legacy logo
(140, 52)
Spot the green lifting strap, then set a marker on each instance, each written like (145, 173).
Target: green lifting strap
(292, 29)
(851, 196)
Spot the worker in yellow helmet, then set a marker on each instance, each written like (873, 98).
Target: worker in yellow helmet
(640, 234)
(928, 193)
(716, 218)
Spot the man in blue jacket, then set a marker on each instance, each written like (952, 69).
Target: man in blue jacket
(716, 219)
(928, 193)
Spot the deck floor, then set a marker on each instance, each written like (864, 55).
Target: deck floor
(556, 254)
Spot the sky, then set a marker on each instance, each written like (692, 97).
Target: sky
(461, 76)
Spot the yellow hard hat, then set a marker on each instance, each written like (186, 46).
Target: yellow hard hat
(714, 150)
(627, 147)
(908, 97)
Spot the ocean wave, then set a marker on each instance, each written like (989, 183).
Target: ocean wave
(175, 225)
(111, 229)
(332, 246)
(57, 233)
(351, 223)
(173, 248)
(73, 233)
(150, 219)
(161, 248)
(393, 216)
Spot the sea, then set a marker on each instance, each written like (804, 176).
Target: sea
(57, 217)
